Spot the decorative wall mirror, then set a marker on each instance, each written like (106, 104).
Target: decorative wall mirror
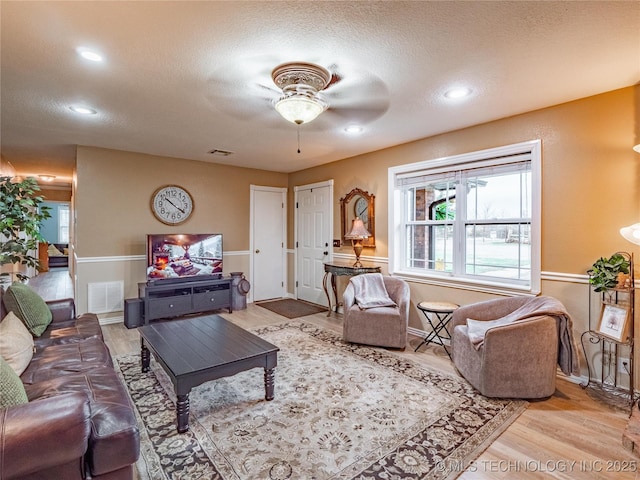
(358, 203)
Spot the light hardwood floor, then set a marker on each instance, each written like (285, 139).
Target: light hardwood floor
(568, 436)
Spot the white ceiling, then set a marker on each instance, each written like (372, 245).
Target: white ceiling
(182, 78)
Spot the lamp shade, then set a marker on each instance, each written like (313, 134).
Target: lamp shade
(300, 109)
(631, 233)
(358, 230)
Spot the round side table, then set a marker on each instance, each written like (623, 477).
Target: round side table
(438, 314)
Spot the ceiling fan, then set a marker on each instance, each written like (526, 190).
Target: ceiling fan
(300, 92)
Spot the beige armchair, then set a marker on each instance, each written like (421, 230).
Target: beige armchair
(379, 326)
(518, 359)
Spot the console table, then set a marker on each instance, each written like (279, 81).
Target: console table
(334, 270)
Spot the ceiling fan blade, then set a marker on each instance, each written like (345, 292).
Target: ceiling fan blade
(357, 115)
(272, 93)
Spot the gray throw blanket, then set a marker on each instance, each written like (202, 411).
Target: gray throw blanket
(536, 307)
(370, 292)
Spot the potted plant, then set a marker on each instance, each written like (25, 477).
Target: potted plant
(21, 213)
(606, 272)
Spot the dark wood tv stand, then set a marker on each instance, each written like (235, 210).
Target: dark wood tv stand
(166, 300)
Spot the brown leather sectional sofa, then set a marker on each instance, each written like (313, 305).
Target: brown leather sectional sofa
(79, 422)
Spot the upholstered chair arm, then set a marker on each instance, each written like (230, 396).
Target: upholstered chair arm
(399, 292)
(348, 298)
(62, 310)
(43, 435)
(487, 310)
(521, 356)
(513, 335)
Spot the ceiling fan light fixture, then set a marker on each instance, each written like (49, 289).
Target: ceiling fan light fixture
(300, 83)
(300, 108)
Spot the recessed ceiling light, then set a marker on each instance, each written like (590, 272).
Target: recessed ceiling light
(47, 178)
(89, 54)
(354, 129)
(83, 110)
(459, 92)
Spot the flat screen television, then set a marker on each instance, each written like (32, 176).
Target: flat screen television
(174, 257)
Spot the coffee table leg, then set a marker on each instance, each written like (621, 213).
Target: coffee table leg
(145, 356)
(182, 412)
(269, 382)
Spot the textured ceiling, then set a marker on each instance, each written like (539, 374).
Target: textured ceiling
(182, 78)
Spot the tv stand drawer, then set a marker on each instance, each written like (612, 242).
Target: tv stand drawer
(210, 300)
(169, 306)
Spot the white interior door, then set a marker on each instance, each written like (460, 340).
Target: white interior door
(314, 222)
(268, 236)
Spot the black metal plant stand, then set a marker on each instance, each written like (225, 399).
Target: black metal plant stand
(607, 380)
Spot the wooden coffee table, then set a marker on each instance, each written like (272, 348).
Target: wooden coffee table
(196, 350)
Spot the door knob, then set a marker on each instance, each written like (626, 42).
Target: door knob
(257, 250)
(325, 253)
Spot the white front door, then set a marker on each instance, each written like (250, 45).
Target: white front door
(314, 222)
(268, 236)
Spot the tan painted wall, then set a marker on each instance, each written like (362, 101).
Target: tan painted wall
(114, 191)
(113, 196)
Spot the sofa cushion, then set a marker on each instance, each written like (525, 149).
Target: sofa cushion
(16, 343)
(114, 440)
(11, 387)
(28, 307)
(73, 330)
(60, 360)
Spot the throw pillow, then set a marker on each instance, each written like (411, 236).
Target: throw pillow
(11, 386)
(16, 343)
(28, 307)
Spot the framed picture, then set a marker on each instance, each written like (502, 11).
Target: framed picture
(615, 322)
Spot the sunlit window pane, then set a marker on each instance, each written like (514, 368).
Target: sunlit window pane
(63, 224)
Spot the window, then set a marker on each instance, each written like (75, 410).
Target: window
(63, 224)
(472, 218)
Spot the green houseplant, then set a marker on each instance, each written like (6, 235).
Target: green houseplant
(21, 213)
(604, 273)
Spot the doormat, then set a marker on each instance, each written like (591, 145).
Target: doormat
(290, 308)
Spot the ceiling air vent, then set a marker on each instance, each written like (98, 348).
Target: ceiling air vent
(221, 153)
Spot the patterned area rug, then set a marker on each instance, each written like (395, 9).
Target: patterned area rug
(291, 308)
(341, 411)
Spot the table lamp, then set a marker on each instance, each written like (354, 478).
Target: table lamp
(356, 235)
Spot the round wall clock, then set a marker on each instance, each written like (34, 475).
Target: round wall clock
(172, 204)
